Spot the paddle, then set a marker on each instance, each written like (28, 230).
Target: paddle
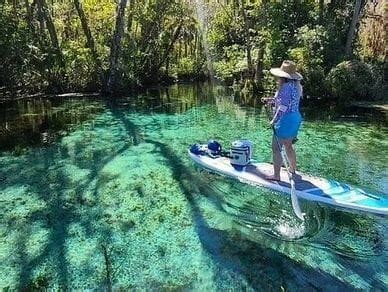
(286, 162)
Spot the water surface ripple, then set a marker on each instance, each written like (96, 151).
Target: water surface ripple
(97, 194)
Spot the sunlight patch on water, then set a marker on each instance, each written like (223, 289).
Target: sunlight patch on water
(121, 188)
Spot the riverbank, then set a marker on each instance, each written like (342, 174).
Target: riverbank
(378, 105)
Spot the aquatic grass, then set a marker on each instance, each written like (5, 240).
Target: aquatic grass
(118, 193)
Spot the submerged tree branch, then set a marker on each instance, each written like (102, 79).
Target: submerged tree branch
(108, 268)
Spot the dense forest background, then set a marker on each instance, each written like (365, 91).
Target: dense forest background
(113, 46)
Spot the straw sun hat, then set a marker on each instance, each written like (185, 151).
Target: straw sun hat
(287, 70)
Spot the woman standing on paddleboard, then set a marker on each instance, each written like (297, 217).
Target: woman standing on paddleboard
(287, 119)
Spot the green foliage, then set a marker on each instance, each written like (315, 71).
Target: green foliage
(336, 21)
(80, 69)
(165, 40)
(351, 80)
(233, 65)
(226, 30)
(283, 19)
(309, 55)
(311, 44)
(371, 42)
(158, 27)
(270, 26)
(20, 61)
(314, 83)
(186, 68)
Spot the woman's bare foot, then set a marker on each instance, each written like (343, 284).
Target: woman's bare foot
(272, 177)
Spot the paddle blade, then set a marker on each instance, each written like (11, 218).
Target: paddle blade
(295, 202)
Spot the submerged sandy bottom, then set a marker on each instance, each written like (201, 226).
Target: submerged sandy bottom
(116, 202)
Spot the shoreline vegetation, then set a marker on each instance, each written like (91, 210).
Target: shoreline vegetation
(44, 119)
(99, 101)
(54, 47)
(378, 105)
(381, 105)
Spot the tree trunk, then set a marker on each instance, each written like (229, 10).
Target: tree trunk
(197, 45)
(321, 10)
(353, 25)
(259, 68)
(179, 49)
(130, 15)
(192, 46)
(41, 22)
(167, 66)
(247, 41)
(185, 46)
(115, 47)
(58, 81)
(89, 39)
(29, 14)
(50, 24)
(15, 8)
(170, 46)
(385, 28)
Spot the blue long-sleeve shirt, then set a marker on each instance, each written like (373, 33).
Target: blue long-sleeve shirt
(287, 99)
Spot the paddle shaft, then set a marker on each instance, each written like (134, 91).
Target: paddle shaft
(286, 161)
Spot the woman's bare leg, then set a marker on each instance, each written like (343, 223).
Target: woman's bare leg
(277, 160)
(290, 151)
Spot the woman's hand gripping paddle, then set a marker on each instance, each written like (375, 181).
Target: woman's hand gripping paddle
(286, 162)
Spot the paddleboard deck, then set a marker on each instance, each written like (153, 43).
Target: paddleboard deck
(307, 187)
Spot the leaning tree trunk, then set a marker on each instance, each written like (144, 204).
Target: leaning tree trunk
(50, 25)
(29, 14)
(115, 47)
(43, 8)
(353, 25)
(89, 39)
(167, 52)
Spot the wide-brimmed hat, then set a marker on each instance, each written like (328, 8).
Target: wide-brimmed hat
(287, 70)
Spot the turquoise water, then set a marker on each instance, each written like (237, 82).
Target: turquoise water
(103, 195)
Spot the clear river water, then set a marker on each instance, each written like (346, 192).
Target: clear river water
(96, 194)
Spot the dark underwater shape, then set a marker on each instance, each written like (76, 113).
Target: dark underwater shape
(113, 201)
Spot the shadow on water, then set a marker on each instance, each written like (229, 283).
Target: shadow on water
(58, 213)
(233, 252)
(263, 268)
(56, 217)
(51, 184)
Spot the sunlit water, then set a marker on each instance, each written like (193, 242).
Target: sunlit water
(103, 195)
